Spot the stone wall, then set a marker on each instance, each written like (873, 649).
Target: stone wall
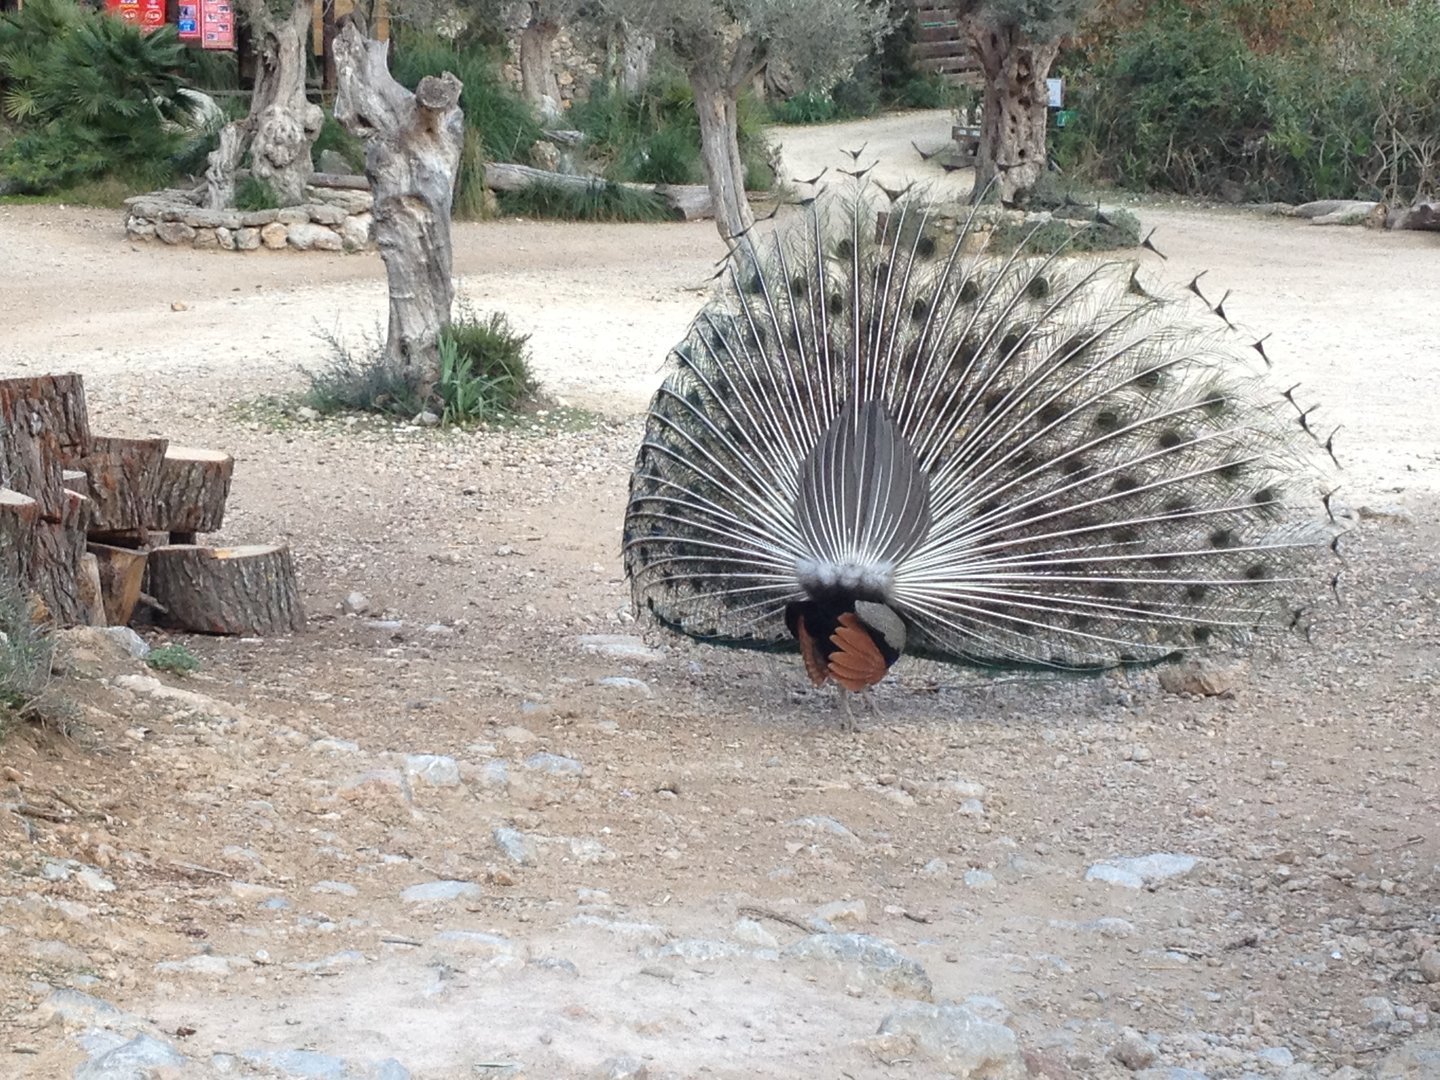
(332, 219)
(578, 60)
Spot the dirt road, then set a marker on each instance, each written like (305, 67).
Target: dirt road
(481, 829)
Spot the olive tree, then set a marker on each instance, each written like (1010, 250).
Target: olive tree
(723, 44)
(1015, 42)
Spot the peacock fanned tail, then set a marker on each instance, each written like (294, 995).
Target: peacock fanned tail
(1029, 460)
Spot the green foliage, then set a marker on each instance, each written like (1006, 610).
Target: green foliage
(252, 193)
(1077, 232)
(499, 124)
(601, 201)
(175, 659)
(25, 651)
(484, 375)
(653, 137)
(1225, 100)
(335, 138)
(89, 95)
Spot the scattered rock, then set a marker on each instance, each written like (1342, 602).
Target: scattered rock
(956, 1040)
(753, 933)
(518, 848)
(979, 879)
(1417, 1059)
(1430, 965)
(1133, 1052)
(828, 825)
(439, 892)
(434, 770)
(622, 1068)
(640, 932)
(355, 603)
(624, 682)
(554, 764)
(619, 646)
(1201, 678)
(77, 1009)
(307, 415)
(842, 913)
(335, 888)
(1144, 870)
(866, 961)
(132, 1060)
(175, 232)
(216, 967)
(274, 235)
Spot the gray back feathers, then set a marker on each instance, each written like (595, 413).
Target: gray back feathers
(1029, 460)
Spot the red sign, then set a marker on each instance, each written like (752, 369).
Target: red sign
(187, 20)
(148, 15)
(217, 23)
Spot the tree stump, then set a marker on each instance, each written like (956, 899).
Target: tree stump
(122, 575)
(55, 570)
(124, 479)
(44, 428)
(89, 591)
(19, 514)
(191, 491)
(412, 156)
(240, 590)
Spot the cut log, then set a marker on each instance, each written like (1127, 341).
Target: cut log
(55, 571)
(44, 429)
(75, 480)
(19, 514)
(689, 201)
(122, 575)
(191, 492)
(124, 479)
(239, 590)
(87, 588)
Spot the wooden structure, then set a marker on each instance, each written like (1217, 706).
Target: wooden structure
(94, 527)
(940, 45)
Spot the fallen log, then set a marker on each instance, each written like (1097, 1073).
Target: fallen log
(239, 590)
(191, 492)
(122, 575)
(124, 479)
(689, 201)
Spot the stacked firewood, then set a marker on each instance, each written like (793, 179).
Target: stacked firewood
(101, 531)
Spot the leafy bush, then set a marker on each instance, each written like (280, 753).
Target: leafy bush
(89, 95)
(176, 659)
(1339, 99)
(653, 137)
(601, 201)
(253, 193)
(501, 124)
(336, 139)
(484, 374)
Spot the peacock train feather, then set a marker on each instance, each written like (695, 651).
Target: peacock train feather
(1032, 461)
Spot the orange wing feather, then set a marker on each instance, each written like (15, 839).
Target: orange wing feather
(810, 653)
(857, 661)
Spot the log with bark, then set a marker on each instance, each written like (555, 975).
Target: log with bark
(19, 514)
(412, 156)
(55, 572)
(689, 201)
(123, 477)
(44, 429)
(190, 492)
(239, 590)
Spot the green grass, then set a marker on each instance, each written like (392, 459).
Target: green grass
(606, 201)
(25, 652)
(252, 193)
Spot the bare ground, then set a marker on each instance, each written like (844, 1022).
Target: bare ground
(269, 827)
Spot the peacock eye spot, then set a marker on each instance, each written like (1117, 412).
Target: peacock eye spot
(1257, 572)
(969, 292)
(919, 311)
(1169, 439)
(1038, 289)
(1107, 420)
(925, 247)
(1202, 634)
(1197, 592)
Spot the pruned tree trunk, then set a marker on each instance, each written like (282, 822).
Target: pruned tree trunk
(55, 570)
(537, 63)
(283, 123)
(631, 53)
(44, 428)
(412, 156)
(224, 164)
(19, 514)
(1011, 156)
(240, 590)
(715, 107)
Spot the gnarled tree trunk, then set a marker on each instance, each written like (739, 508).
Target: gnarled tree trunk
(537, 67)
(715, 107)
(630, 54)
(1011, 157)
(283, 123)
(412, 155)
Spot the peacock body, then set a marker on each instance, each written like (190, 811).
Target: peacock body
(870, 445)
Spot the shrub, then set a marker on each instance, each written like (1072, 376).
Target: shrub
(253, 193)
(25, 651)
(89, 95)
(176, 659)
(601, 201)
(334, 138)
(484, 374)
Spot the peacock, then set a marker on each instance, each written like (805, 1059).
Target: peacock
(875, 442)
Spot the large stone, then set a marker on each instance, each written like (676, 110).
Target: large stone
(1202, 678)
(1420, 216)
(206, 238)
(175, 232)
(355, 231)
(865, 961)
(274, 236)
(1418, 1059)
(140, 229)
(225, 238)
(957, 1041)
(247, 239)
(142, 1056)
(201, 218)
(325, 214)
(1144, 870)
(253, 219)
(350, 200)
(308, 237)
(292, 215)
